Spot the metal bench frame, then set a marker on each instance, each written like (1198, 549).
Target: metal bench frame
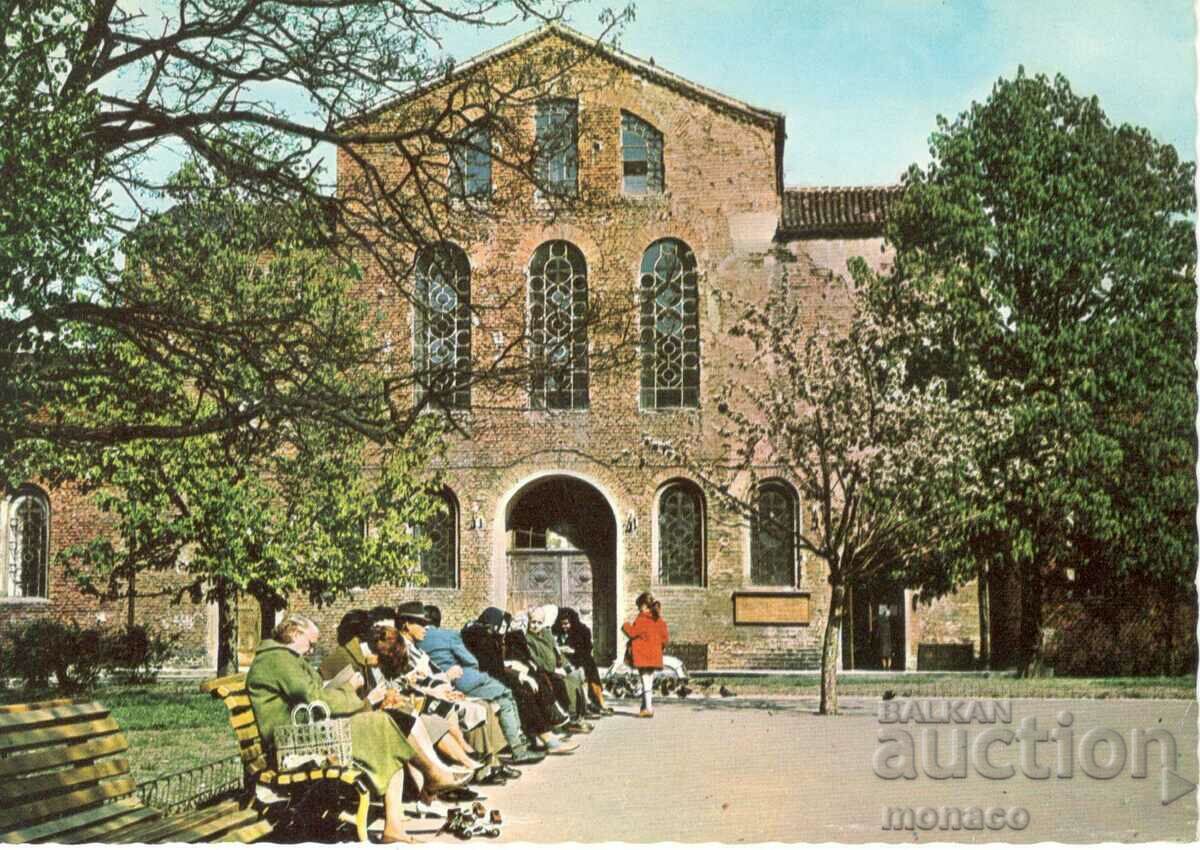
(287, 786)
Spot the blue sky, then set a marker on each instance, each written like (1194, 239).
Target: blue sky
(862, 81)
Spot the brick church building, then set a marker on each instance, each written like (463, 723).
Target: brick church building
(554, 491)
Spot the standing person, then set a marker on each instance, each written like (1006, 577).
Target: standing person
(647, 633)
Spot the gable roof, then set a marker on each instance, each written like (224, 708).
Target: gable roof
(836, 210)
(628, 61)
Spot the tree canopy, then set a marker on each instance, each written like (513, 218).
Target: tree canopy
(98, 95)
(1051, 254)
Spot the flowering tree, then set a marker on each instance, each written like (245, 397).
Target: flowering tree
(871, 455)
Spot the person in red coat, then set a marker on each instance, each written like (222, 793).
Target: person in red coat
(647, 633)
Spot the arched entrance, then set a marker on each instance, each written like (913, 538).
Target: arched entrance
(562, 550)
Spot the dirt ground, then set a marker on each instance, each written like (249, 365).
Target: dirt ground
(755, 770)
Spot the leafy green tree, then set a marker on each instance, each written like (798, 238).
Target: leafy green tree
(1051, 257)
(292, 497)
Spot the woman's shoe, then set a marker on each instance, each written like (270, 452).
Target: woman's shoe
(645, 713)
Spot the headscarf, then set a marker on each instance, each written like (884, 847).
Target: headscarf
(496, 620)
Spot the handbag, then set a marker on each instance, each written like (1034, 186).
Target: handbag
(313, 738)
(629, 653)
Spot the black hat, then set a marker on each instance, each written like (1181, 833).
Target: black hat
(382, 615)
(411, 612)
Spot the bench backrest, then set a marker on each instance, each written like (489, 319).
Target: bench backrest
(60, 768)
(232, 691)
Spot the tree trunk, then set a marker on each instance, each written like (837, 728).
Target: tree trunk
(130, 616)
(227, 660)
(1032, 662)
(985, 618)
(829, 650)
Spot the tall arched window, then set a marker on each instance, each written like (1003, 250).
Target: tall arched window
(681, 534)
(439, 562)
(641, 155)
(670, 326)
(773, 530)
(26, 537)
(558, 316)
(442, 325)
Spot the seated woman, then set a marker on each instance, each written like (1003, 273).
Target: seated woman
(477, 717)
(410, 705)
(546, 654)
(575, 640)
(280, 679)
(484, 639)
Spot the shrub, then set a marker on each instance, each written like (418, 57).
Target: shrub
(37, 649)
(136, 655)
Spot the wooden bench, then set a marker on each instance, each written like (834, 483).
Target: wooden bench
(287, 787)
(63, 780)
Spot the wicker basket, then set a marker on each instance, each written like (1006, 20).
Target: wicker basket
(314, 738)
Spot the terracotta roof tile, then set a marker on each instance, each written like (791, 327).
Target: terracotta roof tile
(819, 210)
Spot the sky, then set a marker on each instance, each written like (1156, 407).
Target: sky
(862, 82)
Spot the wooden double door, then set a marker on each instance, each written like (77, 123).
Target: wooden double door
(568, 579)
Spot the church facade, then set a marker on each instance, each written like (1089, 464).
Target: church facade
(557, 488)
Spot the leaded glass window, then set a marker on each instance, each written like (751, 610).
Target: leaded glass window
(681, 535)
(442, 325)
(557, 129)
(26, 544)
(472, 164)
(642, 155)
(773, 536)
(439, 563)
(670, 326)
(558, 313)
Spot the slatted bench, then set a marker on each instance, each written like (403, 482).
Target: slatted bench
(285, 788)
(63, 780)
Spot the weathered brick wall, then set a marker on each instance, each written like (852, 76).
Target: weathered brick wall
(723, 200)
(74, 520)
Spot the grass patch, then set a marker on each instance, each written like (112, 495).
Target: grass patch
(981, 685)
(170, 726)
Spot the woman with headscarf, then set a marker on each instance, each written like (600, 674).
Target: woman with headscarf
(551, 693)
(575, 639)
(484, 638)
(546, 655)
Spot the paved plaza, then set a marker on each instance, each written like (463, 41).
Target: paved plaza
(755, 770)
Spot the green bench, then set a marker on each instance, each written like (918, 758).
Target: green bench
(351, 794)
(64, 779)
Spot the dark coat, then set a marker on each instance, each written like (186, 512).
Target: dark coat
(579, 638)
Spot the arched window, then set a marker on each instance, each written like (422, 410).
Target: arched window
(670, 326)
(558, 315)
(642, 156)
(442, 325)
(557, 134)
(26, 537)
(773, 532)
(471, 158)
(681, 534)
(439, 562)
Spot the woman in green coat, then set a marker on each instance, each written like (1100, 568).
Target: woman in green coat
(280, 679)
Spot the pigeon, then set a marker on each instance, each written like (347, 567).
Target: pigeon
(889, 694)
(725, 692)
(683, 691)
